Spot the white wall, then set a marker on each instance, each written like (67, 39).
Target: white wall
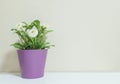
(86, 33)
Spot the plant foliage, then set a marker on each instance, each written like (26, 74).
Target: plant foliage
(31, 36)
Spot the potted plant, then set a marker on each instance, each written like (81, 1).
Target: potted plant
(32, 48)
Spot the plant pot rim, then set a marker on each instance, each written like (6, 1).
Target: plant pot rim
(33, 50)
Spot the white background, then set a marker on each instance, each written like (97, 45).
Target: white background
(86, 33)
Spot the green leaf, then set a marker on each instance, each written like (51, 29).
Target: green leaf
(47, 31)
(36, 22)
(18, 45)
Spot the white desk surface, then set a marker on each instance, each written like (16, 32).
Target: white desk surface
(64, 78)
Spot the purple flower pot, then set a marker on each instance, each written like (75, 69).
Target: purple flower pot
(32, 63)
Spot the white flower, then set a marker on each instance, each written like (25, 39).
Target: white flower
(32, 32)
(20, 26)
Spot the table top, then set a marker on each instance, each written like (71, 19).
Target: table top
(64, 78)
